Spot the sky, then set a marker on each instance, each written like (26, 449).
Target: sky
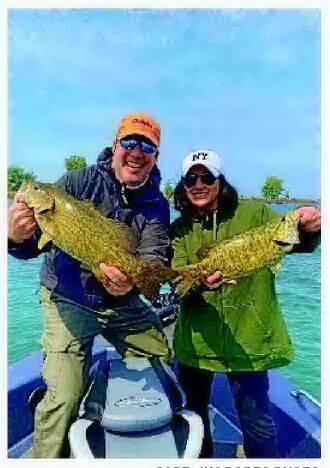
(243, 82)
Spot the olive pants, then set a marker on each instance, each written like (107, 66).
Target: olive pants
(69, 331)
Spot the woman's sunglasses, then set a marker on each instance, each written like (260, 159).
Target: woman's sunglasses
(191, 179)
(131, 143)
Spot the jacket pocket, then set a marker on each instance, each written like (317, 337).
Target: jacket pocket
(246, 333)
(199, 332)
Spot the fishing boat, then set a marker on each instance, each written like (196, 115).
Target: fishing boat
(297, 414)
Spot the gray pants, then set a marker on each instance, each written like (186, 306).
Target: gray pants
(69, 332)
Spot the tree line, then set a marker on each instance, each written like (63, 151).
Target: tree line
(272, 189)
(16, 174)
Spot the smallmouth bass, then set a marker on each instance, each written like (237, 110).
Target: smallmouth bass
(243, 253)
(82, 231)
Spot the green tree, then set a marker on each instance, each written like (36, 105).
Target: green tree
(75, 162)
(15, 177)
(272, 187)
(169, 190)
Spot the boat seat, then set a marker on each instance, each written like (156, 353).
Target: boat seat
(134, 409)
(133, 395)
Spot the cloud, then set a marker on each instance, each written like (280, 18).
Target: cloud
(245, 82)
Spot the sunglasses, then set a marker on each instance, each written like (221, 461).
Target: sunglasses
(131, 143)
(191, 179)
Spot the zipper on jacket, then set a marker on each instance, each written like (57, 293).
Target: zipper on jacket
(215, 225)
(224, 327)
(123, 194)
(223, 330)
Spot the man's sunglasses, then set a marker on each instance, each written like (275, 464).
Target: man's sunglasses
(131, 143)
(191, 179)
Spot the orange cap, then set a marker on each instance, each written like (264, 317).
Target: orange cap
(140, 124)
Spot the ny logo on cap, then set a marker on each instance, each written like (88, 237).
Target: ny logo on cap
(199, 155)
(141, 121)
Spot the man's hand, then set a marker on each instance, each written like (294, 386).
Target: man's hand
(21, 221)
(213, 280)
(118, 284)
(309, 218)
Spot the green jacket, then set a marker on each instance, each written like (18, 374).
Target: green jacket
(234, 327)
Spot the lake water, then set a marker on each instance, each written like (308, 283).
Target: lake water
(297, 283)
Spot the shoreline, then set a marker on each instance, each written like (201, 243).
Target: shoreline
(281, 200)
(10, 196)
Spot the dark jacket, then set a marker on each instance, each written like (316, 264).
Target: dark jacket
(145, 210)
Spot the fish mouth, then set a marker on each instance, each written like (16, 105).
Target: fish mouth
(287, 245)
(46, 210)
(282, 243)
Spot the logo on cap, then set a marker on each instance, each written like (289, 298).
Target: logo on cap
(199, 155)
(142, 122)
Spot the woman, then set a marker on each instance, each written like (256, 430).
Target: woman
(238, 329)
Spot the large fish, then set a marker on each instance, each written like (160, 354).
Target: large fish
(244, 253)
(82, 231)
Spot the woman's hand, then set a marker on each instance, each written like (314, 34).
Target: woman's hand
(309, 218)
(118, 284)
(212, 281)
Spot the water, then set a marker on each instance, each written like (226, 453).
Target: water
(297, 284)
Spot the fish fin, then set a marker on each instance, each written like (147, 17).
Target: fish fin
(185, 282)
(150, 276)
(88, 203)
(275, 267)
(230, 281)
(44, 239)
(223, 281)
(203, 252)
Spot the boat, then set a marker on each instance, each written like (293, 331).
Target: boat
(297, 414)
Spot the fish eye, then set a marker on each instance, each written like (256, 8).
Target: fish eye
(35, 187)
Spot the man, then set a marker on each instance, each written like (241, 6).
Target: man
(124, 185)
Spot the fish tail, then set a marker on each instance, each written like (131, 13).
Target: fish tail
(150, 276)
(187, 279)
